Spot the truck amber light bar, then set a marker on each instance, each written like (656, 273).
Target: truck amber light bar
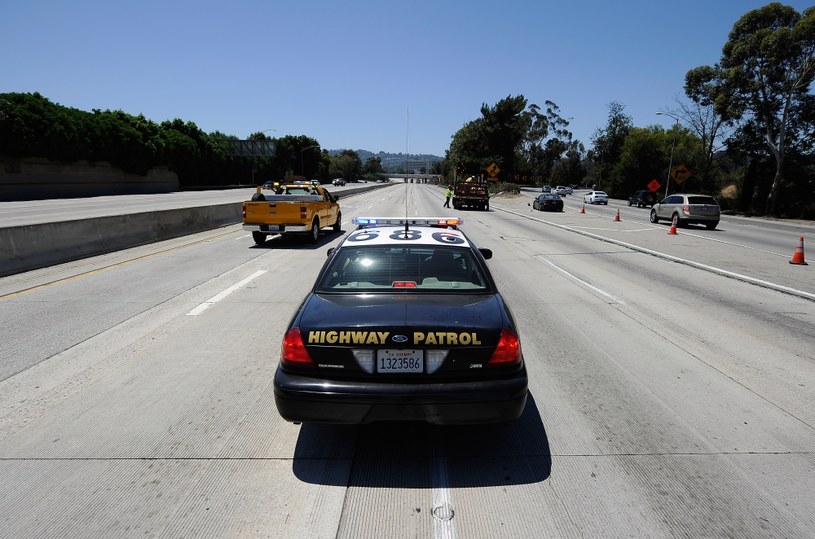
(398, 221)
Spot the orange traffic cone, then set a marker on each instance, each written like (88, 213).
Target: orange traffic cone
(617, 217)
(672, 230)
(583, 209)
(798, 255)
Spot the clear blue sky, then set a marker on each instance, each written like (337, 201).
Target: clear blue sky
(362, 74)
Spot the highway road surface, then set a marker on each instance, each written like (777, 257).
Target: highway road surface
(672, 382)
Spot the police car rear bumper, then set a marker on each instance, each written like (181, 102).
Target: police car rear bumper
(302, 399)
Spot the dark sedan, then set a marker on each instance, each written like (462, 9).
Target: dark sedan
(548, 202)
(404, 323)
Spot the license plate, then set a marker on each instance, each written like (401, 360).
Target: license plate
(399, 361)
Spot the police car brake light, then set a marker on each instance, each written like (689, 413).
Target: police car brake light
(293, 350)
(508, 350)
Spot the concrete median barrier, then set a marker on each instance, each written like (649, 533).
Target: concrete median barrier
(29, 247)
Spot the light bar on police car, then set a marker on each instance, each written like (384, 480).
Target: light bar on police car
(398, 221)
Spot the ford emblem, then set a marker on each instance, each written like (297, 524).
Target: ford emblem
(399, 338)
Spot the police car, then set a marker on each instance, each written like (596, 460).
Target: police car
(404, 323)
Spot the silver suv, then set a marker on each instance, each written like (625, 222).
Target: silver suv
(683, 209)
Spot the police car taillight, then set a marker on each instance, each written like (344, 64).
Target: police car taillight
(293, 349)
(508, 350)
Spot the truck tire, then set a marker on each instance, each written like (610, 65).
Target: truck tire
(258, 197)
(314, 233)
(338, 225)
(259, 237)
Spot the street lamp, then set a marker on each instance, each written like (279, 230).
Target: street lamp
(302, 170)
(673, 142)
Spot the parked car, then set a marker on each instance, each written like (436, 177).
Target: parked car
(684, 209)
(548, 202)
(596, 197)
(642, 199)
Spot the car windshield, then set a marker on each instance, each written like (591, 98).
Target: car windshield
(409, 269)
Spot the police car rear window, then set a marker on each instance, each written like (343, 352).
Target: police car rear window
(400, 268)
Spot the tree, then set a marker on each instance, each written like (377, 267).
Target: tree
(641, 160)
(521, 140)
(373, 166)
(765, 72)
(546, 141)
(496, 137)
(608, 143)
(346, 165)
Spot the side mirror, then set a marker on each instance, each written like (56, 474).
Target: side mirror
(329, 252)
(486, 253)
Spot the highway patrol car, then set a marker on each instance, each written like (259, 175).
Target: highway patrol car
(404, 323)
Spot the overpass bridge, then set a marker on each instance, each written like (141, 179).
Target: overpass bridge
(413, 178)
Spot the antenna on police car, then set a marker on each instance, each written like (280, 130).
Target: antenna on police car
(407, 153)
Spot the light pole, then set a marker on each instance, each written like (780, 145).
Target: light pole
(302, 171)
(673, 142)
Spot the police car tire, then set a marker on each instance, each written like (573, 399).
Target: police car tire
(258, 197)
(338, 225)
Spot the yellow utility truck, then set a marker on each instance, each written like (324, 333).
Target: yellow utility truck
(297, 208)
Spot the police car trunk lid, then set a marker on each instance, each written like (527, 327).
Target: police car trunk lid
(468, 327)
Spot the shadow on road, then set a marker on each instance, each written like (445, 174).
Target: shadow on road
(298, 241)
(417, 455)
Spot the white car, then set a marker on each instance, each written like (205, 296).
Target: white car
(560, 190)
(596, 197)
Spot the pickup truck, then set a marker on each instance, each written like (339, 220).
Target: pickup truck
(291, 208)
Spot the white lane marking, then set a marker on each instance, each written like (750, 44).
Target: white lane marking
(664, 256)
(215, 299)
(685, 232)
(585, 283)
(442, 508)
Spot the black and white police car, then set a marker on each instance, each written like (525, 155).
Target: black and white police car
(404, 323)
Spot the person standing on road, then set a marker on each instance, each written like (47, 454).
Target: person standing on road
(447, 194)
